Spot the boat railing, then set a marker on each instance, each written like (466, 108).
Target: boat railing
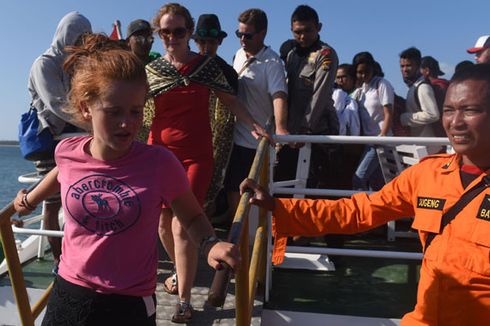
(30, 178)
(253, 270)
(300, 190)
(252, 267)
(27, 314)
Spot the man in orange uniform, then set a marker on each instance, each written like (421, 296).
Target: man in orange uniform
(454, 286)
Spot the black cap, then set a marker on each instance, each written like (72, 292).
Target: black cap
(138, 25)
(432, 64)
(208, 27)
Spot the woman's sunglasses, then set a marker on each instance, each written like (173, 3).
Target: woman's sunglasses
(178, 32)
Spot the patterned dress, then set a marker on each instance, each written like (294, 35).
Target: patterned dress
(178, 116)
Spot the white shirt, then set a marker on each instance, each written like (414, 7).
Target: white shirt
(347, 113)
(264, 77)
(372, 98)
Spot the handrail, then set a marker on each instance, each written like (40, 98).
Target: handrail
(375, 140)
(281, 188)
(248, 274)
(26, 314)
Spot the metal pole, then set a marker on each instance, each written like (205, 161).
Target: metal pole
(259, 248)
(374, 140)
(14, 267)
(355, 252)
(241, 287)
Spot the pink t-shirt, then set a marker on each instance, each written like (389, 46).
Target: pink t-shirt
(111, 211)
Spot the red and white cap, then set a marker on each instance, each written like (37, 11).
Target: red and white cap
(482, 43)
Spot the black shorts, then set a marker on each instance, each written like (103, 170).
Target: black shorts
(238, 168)
(70, 304)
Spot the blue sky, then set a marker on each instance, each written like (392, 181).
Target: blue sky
(441, 28)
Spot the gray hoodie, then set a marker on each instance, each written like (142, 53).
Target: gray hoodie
(48, 83)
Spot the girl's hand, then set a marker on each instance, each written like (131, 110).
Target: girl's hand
(224, 252)
(20, 204)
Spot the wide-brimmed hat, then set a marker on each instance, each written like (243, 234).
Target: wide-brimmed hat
(432, 64)
(483, 42)
(208, 27)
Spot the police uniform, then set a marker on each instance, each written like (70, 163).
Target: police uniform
(310, 75)
(454, 285)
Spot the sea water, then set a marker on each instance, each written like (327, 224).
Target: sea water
(12, 165)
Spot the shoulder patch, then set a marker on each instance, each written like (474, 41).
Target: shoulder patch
(484, 210)
(431, 203)
(326, 52)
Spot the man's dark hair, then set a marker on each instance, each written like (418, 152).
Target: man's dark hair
(475, 72)
(255, 17)
(412, 54)
(304, 13)
(463, 65)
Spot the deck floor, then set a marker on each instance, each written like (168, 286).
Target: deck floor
(38, 276)
(204, 314)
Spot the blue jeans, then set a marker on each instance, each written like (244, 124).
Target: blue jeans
(368, 174)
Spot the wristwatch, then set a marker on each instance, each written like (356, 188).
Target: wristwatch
(206, 241)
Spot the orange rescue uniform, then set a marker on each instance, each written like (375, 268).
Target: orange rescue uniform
(454, 285)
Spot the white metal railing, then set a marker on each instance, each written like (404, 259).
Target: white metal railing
(33, 177)
(299, 190)
(321, 139)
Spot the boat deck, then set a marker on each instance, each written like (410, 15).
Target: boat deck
(204, 314)
(356, 289)
(38, 276)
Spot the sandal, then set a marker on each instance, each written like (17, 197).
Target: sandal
(183, 313)
(172, 289)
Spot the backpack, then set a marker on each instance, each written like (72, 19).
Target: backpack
(399, 107)
(439, 94)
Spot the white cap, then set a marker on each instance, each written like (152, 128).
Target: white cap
(483, 42)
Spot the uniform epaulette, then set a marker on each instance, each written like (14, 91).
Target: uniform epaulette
(447, 159)
(435, 156)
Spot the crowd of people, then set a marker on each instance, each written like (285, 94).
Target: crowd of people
(193, 121)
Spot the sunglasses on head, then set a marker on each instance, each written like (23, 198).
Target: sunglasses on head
(203, 32)
(247, 36)
(178, 32)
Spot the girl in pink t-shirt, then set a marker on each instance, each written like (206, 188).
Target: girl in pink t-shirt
(112, 190)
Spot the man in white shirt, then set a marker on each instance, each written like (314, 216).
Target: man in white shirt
(263, 91)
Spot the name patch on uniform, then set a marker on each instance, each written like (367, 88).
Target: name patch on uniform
(430, 203)
(484, 211)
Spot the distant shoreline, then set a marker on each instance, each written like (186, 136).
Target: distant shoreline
(9, 143)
